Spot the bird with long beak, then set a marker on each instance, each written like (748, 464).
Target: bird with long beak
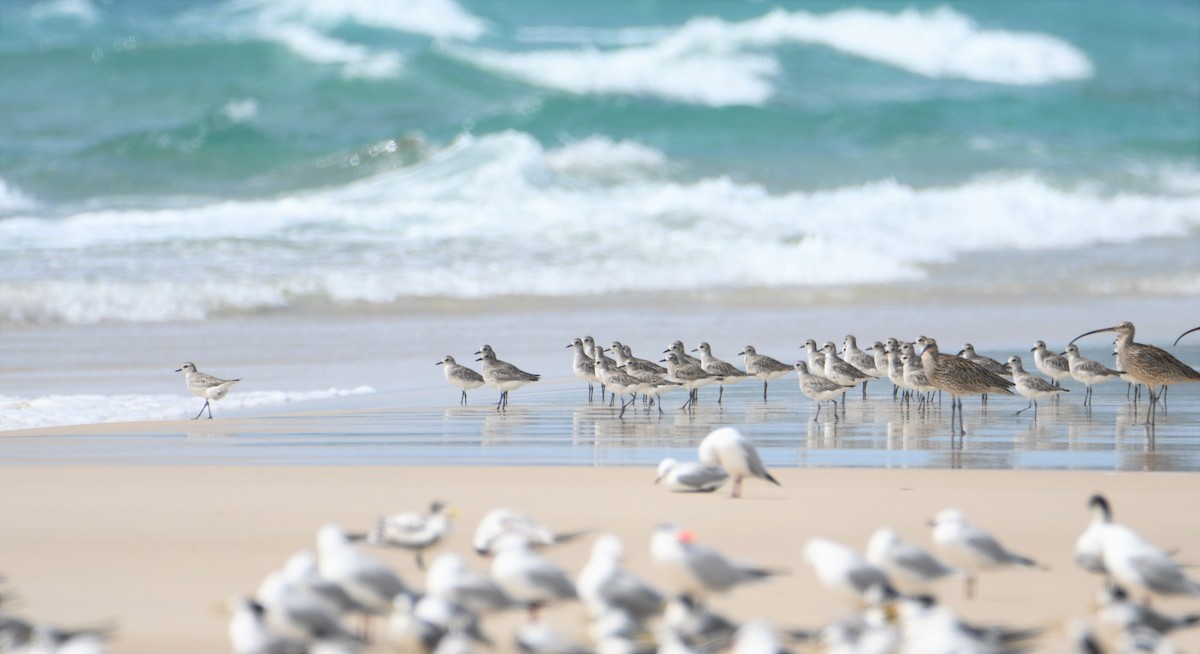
(1149, 365)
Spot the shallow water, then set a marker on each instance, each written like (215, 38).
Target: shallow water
(553, 424)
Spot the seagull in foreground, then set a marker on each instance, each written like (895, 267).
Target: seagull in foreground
(604, 585)
(1117, 610)
(414, 531)
(842, 570)
(366, 580)
(1089, 547)
(206, 386)
(726, 447)
(250, 633)
(501, 521)
(451, 580)
(1132, 561)
(690, 477)
(528, 577)
(974, 549)
(931, 627)
(909, 566)
(696, 569)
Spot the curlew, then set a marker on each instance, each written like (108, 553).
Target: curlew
(1030, 386)
(763, 367)
(1148, 364)
(958, 377)
(1180, 338)
(1088, 372)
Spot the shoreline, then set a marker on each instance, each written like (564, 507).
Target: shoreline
(156, 548)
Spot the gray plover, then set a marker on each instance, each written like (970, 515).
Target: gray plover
(1148, 364)
(461, 376)
(502, 375)
(819, 389)
(206, 386)
(816, 360)
(841, 371)
(958, 377)
(991, 365)
(680, 351)
(763, 367)
(618, 382)
(584, 366)
(1030, 386)
(1088, 372)
(1056, 367)
(864, 361)
(728, 372)
(690, 375)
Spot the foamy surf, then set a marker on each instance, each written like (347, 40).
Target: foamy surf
(61, 410)
(501, 215)
(716, 62)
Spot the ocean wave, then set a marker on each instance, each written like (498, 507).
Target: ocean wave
(502, 215)
(78, 10)
(61, 410)
(12, 199)
(716, 62)
(436, 18)
(356, 60)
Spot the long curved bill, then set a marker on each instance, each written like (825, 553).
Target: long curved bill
(1193, 329)
(1094, 331)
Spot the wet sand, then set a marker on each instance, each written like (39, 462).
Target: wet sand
(157, 548)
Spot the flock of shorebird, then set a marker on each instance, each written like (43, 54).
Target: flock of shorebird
(303, 606)
(826, 375)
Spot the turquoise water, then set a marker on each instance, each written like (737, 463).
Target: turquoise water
(193, 160)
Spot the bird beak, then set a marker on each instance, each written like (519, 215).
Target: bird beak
(478, 351)
(179, 370)
(662, 360)
(695, 349)
(1094, 331)
(452, 511)
(960, 352)
(743, 353)
(436, 364)
(1184, 334)
(479, 359)
(1063, 353)
(570, 346)
(687, 537)
(1033, 349)
(666, 350)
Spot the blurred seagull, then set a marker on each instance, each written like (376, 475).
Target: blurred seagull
(974, 549)
(501, 521)
(690, 477)
(909, 566)
(727, 448)
(414, 531)
(697, 570)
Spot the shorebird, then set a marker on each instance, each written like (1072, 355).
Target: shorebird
(584, 366)
(841, 371)
(206, 386)
(1088, 372)
(728, 373)
(906, 564)
(1056, 367)
(689, 375)
(414, 531)
(695, 569)
(1149, 365)
(690, 476)
(988, 363)
(816, 360)
(974, 549)
(763, 367)
(915, 377)
(958, 377)
(461, 376)
(681, 352)
(589, 348)
(632, 364)
(864, 361)
(502, 376)
(727, 448)
(819, 389)
(1030, 386)
(618, 382)
(895, 372)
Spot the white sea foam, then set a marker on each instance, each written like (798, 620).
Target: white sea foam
(357, 60)
(79, 10)
(437, 18)
(240, 111)
(500, 214)
(59, 410)
(716, 62)
(12, 199)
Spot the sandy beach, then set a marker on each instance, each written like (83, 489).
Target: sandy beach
(156, 550)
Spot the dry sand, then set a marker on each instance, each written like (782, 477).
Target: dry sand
(157, 549)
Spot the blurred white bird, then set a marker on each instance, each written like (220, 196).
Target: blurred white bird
(528, 577)
(972, 548)
(695, 569)
(414, 531)
(909, 566)
(842, 570)
(727, 448)
(603, 584)
(366, 580)
(690, 476)
(501, 521)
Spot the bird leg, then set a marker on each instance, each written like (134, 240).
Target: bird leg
(202, 411)
(737, 487)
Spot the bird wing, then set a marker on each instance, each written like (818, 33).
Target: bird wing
(706, 478)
